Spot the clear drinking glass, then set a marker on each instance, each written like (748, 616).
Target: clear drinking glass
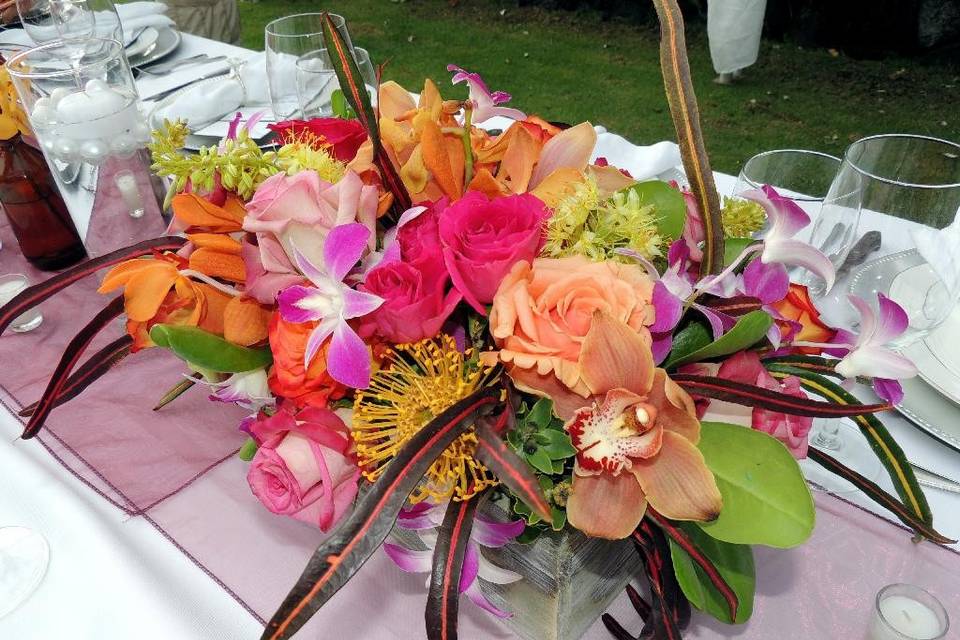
(24, 556)
(286, 40)
(38, 20)
(316, 81)
(10, 286)
(803, 176)
(917, 180)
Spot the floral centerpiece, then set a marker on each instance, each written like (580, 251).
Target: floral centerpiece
(422, 310)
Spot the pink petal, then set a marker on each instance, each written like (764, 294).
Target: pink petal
(317, 337)
(343, 248)
(662, 343)
(786, 216)
(720, 323)
(348, 360)
(570, 148)
(290, 300)
(889, 390)
(471, 564)
(359, 303)
(876, 362)
(668, 308)
(799, 253)
(892, 320)
(490, 533)
(768, 282)
(409, 560)
(307, 268)
(476, 597)
(868, 319)
(417, 517)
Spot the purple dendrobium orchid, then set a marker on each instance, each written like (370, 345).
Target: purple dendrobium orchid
(869, 354)
(425, 518)
(485, 104)
(249, 390)
(331, 302)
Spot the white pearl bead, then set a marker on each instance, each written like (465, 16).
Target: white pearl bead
(94, 151)
(42, 114)
(141, 131)
(59, 94)
(123, 145)
(96, 84)
(66, 149)
(48, 144)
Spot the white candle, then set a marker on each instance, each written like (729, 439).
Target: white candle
(127, 184)
(901, 615)
(10, 286)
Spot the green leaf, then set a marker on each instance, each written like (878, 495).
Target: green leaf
(692, 338)
(207, 351)
(558, 467)
(556, 443)
(669, 208)
(733, 247)
(765, 498)
(340, 107)
(559, 518)
(540, 460)
(541, 414)
(749, 330)
(734, 562)
(248, 450)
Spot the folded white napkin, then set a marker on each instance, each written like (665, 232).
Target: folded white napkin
(941, 249)
(643, 163)
(133, 16)
(210, 101)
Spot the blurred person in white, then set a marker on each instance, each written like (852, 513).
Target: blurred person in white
(214, 19)
(733, 29)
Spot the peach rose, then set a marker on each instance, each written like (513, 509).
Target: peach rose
(542, 313)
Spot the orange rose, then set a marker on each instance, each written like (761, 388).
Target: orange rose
(288, 378)
(797, 307)
(542, 313)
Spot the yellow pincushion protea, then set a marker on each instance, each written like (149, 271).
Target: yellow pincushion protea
(418, 382)
(12, 118)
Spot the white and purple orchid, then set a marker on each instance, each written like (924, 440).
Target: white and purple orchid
(249, 390)
(331, 302)
(485, 104)
(425, 518)
(869, 353)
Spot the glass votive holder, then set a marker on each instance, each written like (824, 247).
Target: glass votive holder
(906, 612)
(11, 285)
(126, 184)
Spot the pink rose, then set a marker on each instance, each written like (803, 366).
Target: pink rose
(482, 239)
(415, 306)
(693, 231)
(419, 240)
(300, 211)
(790, 430)
(343, 136)
(304, 467)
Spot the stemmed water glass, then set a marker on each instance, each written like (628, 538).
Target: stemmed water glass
(800, 175)
(286, 40)
(317, 81)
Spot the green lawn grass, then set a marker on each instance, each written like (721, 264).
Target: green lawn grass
(571, 67)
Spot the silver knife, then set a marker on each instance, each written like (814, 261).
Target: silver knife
(172, 90)
(867, 244)
(166, 67)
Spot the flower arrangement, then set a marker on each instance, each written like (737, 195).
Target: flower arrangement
(420, 313)
(13, 120)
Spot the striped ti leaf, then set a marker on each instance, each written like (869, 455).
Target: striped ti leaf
(341, 555)
(88, 373)
(68, 361)
(32, 296)
(511, 469)
(680, 537)
(754, 396)
(878, 495)
(355, 91)
(686, 119)
(881, 442)
(443, 598)
(814, 364)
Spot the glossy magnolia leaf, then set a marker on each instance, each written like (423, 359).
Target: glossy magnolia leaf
(362, 532)
(206, 351)
(884, 446)
(690, 339)
(749, 330)
(765, 498)
(734, 563)
(670, 210)
(686, 120)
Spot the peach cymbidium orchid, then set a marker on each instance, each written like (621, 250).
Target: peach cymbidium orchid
(636, 440)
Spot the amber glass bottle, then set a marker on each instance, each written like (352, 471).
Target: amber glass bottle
(32, 203)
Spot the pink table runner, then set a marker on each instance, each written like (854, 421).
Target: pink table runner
(176, 468)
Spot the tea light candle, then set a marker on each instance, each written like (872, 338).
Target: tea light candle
(10, 286)
(127, 184)
(905, 612)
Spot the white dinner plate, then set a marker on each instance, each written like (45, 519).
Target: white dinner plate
(925, 407)
(938, 357)
(168, 39)
(144, 43)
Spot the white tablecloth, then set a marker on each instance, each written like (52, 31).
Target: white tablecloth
(117, 578)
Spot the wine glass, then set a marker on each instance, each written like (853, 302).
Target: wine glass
(800, 175)
(24, 556)
(317, 81)
(286, 40)
(915, 179)
(843, 441)
(39, 20)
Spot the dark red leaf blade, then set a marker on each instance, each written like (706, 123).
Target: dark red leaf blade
(361, 533)
(88, 373)
(32, 296)
(443, 598)
(814, 364)
(511, 470)
(670, 610)
(677, 535)
(734, 306)
(355, 91)
(753, 396)
(878, 495)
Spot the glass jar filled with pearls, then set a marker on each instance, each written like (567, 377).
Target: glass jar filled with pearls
(84, 108)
